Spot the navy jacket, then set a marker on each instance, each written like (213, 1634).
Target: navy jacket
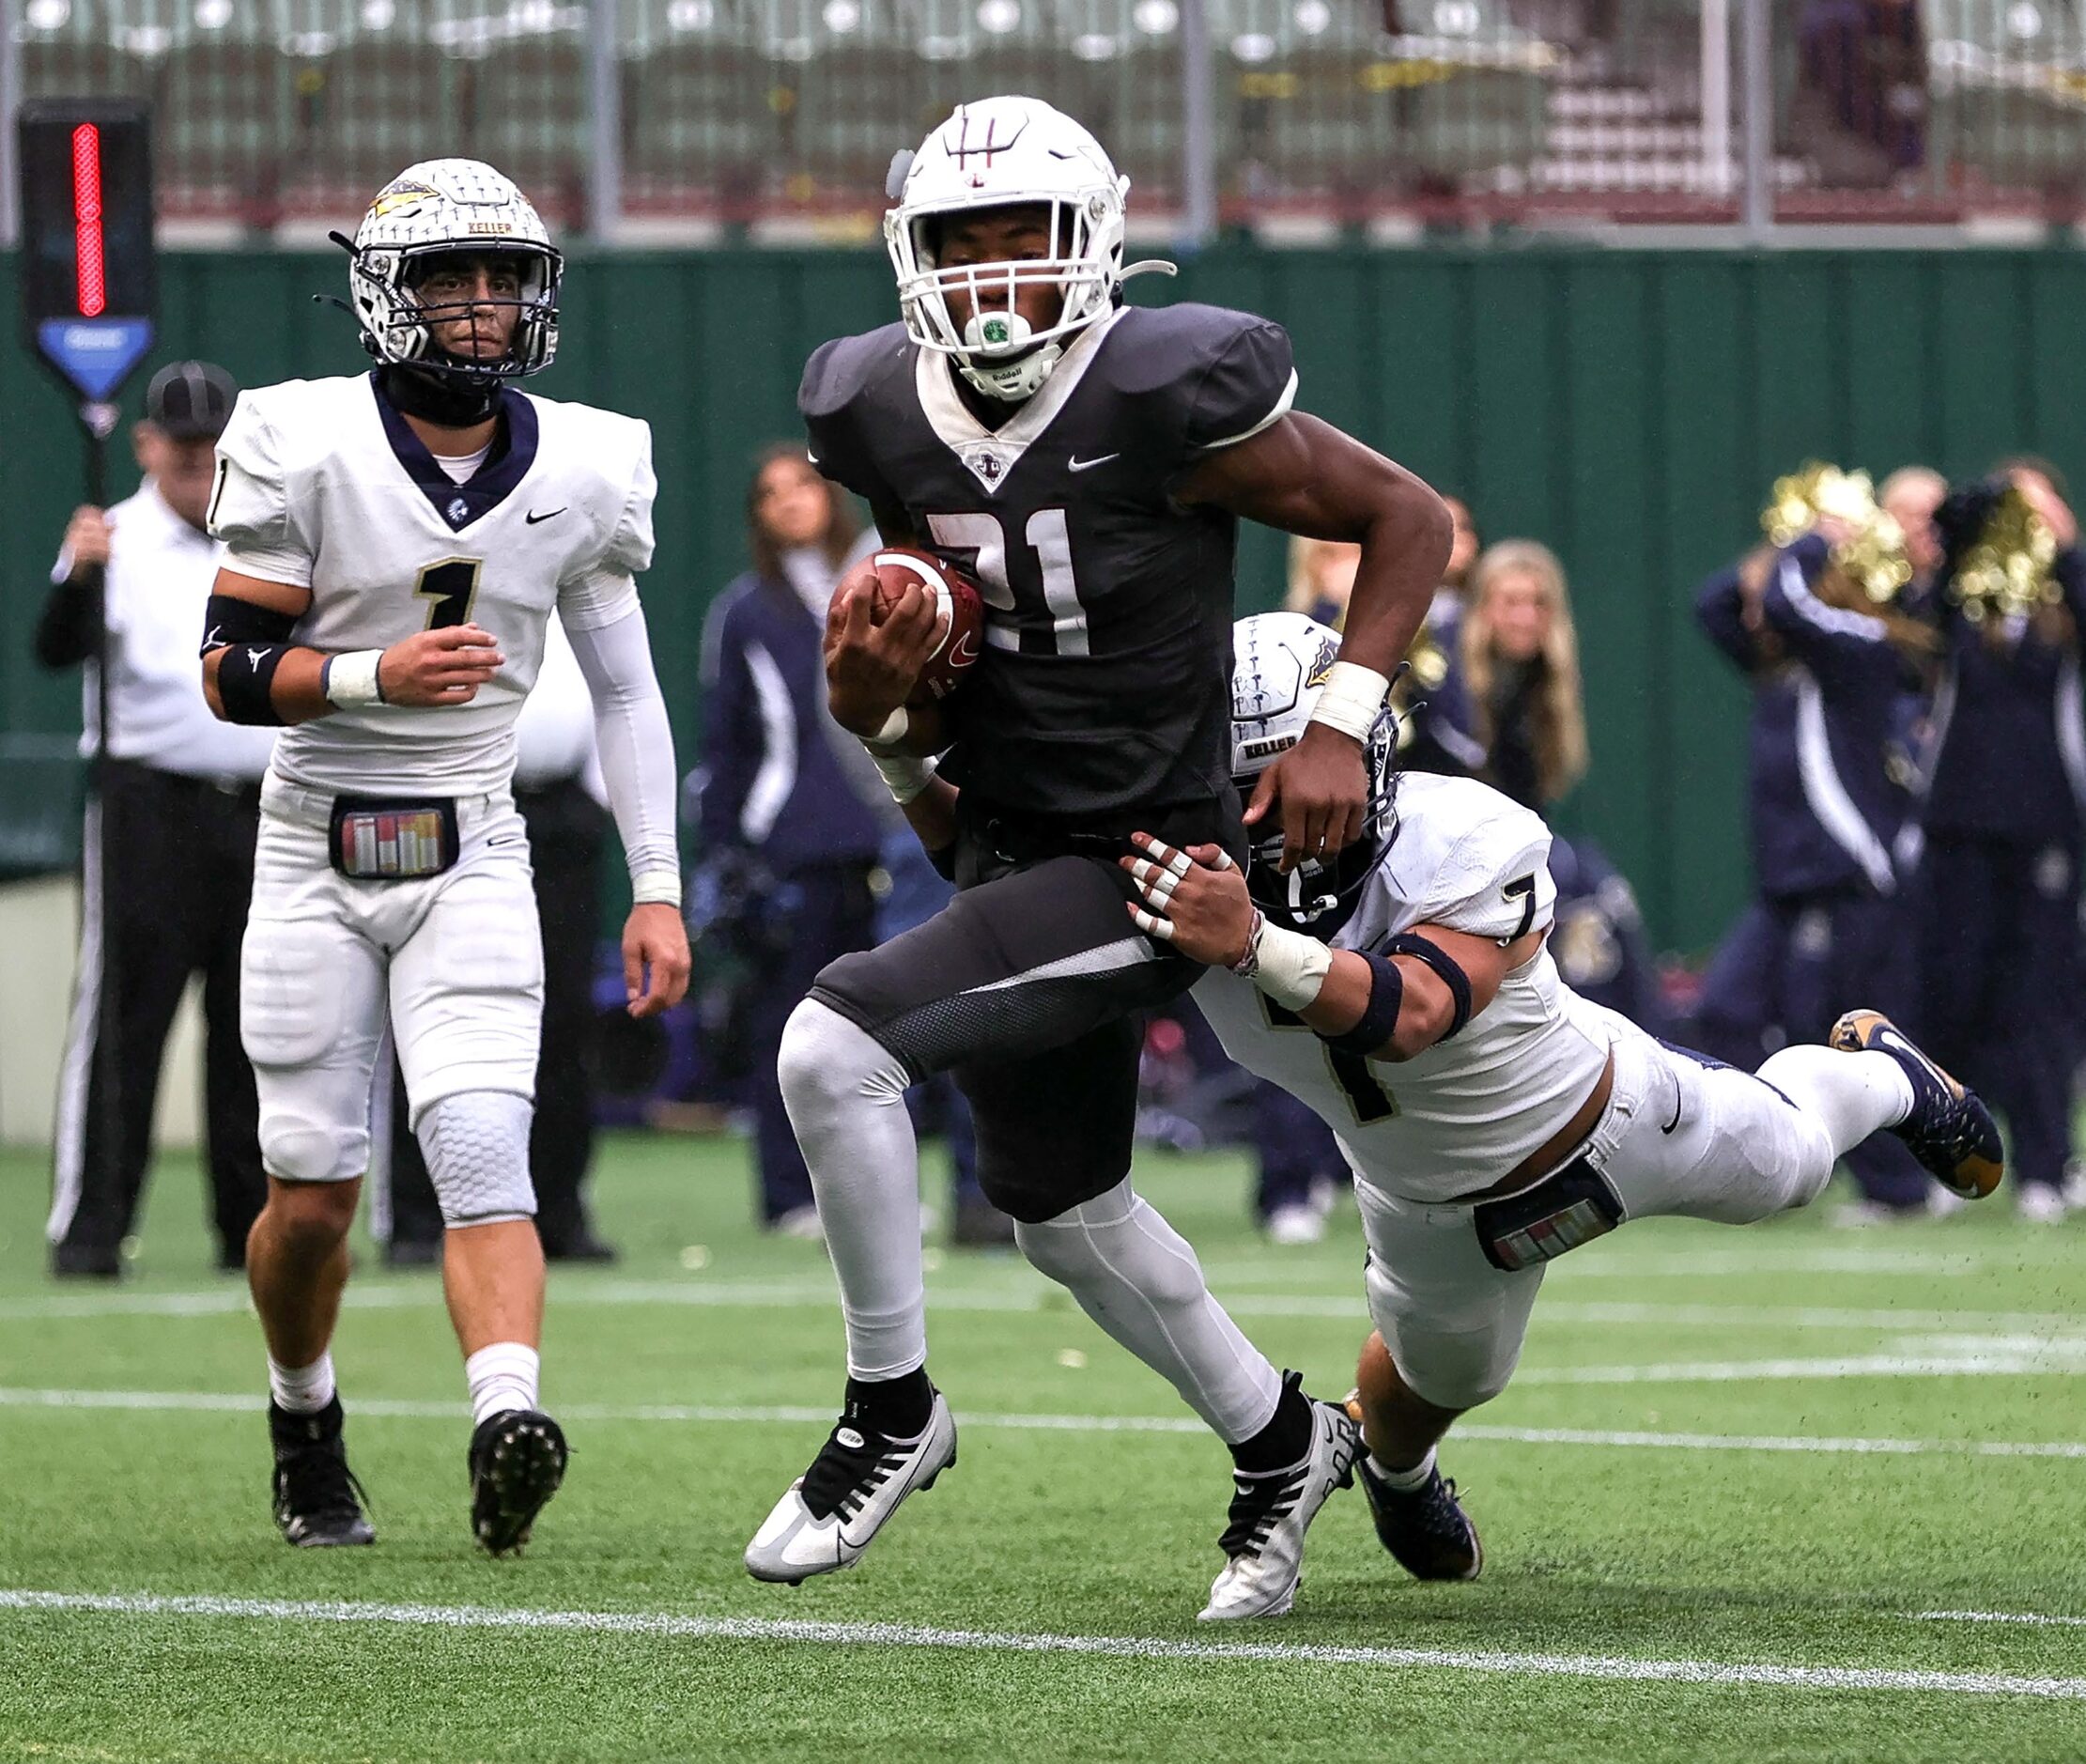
(1824, 809)
(774, 781)
(2008, 754)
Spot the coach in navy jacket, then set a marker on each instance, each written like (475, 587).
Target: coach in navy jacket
(1996, 891)
(1827, 807)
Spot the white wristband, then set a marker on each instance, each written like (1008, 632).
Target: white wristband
(349, 681)
(890, 734)
(906, 775)
(656, 888)
(1286, 966)
(1351, 699)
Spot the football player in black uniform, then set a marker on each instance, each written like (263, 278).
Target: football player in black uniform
(1086, 462)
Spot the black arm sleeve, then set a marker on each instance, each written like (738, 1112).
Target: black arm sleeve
(70, 627)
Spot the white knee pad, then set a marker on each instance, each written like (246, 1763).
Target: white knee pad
(295, 1150)
(477, 1148)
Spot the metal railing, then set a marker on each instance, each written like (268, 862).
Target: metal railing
(780, 116)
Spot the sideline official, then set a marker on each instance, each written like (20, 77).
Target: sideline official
(168, 853)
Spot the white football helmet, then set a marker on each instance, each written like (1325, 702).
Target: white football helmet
(1279, 661)
(998, 153)
(433, 209)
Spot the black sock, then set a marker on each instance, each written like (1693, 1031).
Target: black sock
(896, 1407)
(1286, 1438)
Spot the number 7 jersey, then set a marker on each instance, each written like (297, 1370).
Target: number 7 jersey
(321, 483)
(1105, 686)
(1459, 1115)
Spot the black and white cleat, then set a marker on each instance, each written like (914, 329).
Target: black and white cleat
(1269, 1514)
(517, 1459)
(832, 1511)
(319, 1503)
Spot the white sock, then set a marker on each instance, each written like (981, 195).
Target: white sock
(1405, 1482)
(503, 1376)
(1850, 1096)
(301, 1390)
(1138, 1279)
(845, 1092)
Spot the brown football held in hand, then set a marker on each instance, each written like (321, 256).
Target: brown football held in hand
(958, 613)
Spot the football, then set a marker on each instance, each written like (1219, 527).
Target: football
(960, 614)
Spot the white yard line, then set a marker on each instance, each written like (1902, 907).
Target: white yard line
(1993, 1617)
(1024, 1295)
(678, 1626)
(241, 1403)
(2041, 1362)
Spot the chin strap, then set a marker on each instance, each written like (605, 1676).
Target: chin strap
(453, 400)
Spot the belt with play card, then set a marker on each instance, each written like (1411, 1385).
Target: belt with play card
(1567, 1208)
(374, 839)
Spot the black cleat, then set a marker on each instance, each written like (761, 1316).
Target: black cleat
(86, 1262)
(517, 1459)
(1950, 1130)
(318, 1504)
(1424, 1528)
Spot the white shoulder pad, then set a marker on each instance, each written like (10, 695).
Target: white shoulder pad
(251, 503)
(1487, 857)
(610, 457)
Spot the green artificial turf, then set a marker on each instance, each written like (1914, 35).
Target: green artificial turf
(1963, 1331)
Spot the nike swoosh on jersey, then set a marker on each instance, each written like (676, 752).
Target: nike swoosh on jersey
(1088, 465)
(532, 517)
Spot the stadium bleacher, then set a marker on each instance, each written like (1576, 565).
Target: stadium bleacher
(273, 110)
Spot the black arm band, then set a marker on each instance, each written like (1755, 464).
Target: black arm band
(246, 681)
(228, 619)
(1445, 965)
(1379, 1016)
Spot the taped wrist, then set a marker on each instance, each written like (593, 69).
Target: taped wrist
(1286, 966)
(1351, 699)
(1445, 965)
(906, 775)
(348, 681)
(1379, 1015)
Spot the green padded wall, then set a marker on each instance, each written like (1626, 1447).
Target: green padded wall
(1629, 409)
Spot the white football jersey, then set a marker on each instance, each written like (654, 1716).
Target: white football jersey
(321, 483)
(1459, 1115)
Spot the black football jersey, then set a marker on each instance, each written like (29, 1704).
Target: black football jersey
(1104, 687)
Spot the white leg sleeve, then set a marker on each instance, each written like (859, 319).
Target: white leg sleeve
(1852, 1096)
(477, 1148)
(845, 1094)
(1138, 1279)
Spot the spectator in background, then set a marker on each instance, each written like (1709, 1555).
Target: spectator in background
(1526, 721)
(797, 823)
(1860, 109)
(168, 854)
(1835, 675)
(1997, 892)
(563, 803)
(1520, 656)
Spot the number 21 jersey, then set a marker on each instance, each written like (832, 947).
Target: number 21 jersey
(322, 485)
(1105, 686)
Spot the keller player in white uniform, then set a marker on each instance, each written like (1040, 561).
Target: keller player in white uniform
(1495, 1119)
(395, 545)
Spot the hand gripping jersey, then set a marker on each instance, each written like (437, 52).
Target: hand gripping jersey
(1104, 686)
(321, 483)
(1458, 1116)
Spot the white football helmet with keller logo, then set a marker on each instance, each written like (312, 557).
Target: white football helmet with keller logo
(1000, 153)
(444, 207)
